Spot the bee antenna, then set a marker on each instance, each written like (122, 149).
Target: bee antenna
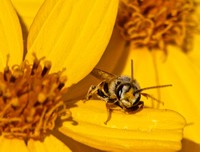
(132, 70)
(153, 87)
(149, 96)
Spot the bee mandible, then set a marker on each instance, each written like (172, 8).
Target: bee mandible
(122, 91)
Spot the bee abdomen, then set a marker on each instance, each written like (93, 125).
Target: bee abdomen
(105, 88)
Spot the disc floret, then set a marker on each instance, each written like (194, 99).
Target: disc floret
(155, 23)
(30, 99)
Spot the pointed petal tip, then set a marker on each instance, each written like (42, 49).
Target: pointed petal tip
(72, 34)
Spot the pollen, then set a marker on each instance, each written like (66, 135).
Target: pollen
(30, 99)
(155, 23)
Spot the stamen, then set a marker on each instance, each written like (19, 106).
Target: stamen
(15, 102)
(30, 99)
(62, 81)
(6, 69)
(42, 97)
(35, 64)
(155, 23)
(47, 67)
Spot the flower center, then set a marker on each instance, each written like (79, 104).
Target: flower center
(154, 23)
(30, 99)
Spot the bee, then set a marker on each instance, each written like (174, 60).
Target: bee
(122, 91)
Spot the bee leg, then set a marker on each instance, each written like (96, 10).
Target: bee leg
(92, 90)
(136, 109)
(124, 109)
(109, 110)
(140, 106)
(110, 106)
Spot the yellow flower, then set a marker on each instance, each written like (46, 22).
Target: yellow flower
(65, 33)
(124, 132)
(156, 23)
(151, 67)
(178, 68)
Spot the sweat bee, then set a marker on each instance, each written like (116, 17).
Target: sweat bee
(122, 91)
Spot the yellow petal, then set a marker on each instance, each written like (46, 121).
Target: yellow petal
(114, 51)
(147, 130)
(72, 34)
(194, 54)
(27, 9)
(72, 144)
(184, 95)
(177, 68)
(10, 35)
(35, 146)
(12, 145)
(50, 144)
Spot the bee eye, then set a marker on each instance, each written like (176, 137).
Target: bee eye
(119, 92)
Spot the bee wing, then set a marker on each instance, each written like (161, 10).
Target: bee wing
(102, 75)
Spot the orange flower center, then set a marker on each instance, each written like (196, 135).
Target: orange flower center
(154, 23)
(30, 100)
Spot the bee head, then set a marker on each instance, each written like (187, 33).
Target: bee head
(126, 94)
(128, 90)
